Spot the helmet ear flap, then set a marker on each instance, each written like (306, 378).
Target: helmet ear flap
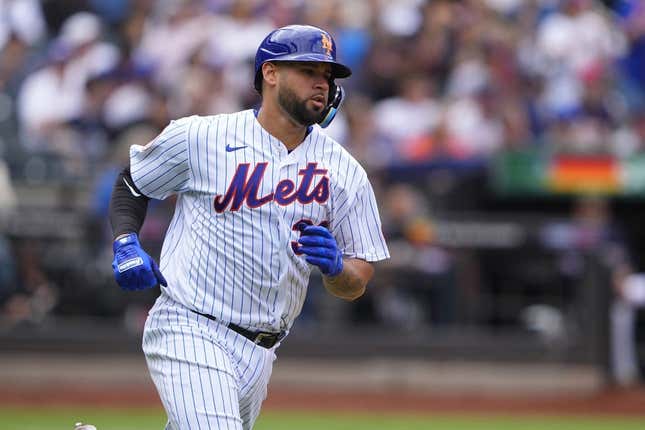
(336, 96)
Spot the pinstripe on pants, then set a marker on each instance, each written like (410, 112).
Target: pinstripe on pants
(208, 376)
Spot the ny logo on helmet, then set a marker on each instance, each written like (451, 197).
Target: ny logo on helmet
(326, 43)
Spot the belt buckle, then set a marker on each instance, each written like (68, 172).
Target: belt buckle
(261, 336)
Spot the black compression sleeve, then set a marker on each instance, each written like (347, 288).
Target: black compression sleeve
(127, 209)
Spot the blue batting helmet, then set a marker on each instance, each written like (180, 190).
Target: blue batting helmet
(298, 43)
(304, 43)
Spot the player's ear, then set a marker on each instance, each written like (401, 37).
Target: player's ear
(269, 73)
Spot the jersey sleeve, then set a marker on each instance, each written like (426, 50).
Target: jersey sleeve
(162, 167)
(357, 226)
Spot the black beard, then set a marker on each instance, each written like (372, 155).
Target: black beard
(297, 109)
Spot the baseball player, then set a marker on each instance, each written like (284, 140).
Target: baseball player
(263, 197)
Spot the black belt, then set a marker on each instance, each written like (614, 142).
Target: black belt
(263, 338)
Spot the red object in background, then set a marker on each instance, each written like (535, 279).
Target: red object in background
(593, 174)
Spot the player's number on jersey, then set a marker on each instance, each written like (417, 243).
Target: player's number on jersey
(300, 226)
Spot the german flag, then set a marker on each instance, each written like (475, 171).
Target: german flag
(584, 174)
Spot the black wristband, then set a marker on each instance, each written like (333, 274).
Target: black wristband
(128, 205)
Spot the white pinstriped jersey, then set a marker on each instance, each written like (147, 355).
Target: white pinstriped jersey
(231, 247)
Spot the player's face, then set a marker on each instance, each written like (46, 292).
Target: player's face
(303, 91)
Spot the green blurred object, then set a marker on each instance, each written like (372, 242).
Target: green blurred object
(516, 172)
(153, 419)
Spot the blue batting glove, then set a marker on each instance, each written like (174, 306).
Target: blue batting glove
(321, 250)
(133, 268)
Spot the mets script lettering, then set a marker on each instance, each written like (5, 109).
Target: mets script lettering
(244, 189)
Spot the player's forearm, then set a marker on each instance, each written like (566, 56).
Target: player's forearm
(128, 206)
(351, 282)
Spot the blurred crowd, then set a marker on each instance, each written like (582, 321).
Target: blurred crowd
(432, 79)
(437, 84)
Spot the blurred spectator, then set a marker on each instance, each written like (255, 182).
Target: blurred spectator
(593, 231)
(22, 19)
(75, 57)
(131, 100)
(629, 297)
(237, 33)
(573, 41)
(405, 118)
(49, 86)
(171, 36)
(83, 34)
(632, 83)
(420, 289)
(204, 90)
(34, 296)
(364, 141)
(401, 18)
(353, 34)
(579, 36)
(474, 125)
